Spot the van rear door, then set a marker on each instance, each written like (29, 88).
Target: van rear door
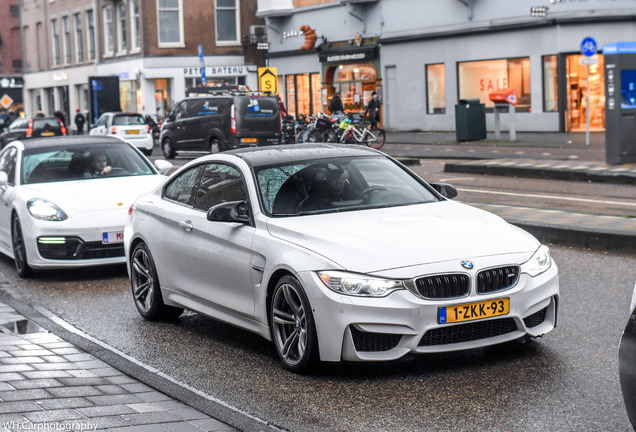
(257, 121)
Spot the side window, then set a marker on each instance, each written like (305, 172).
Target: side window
(202, 107)
(220, 183)
(181, 110)
(102, 121)
(8, 163)
(182, 189)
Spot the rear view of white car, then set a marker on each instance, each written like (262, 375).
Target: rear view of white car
(129, 126)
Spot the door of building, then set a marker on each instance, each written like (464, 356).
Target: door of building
(390, 98)
(577, 90)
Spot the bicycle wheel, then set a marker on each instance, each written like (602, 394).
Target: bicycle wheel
(375, 138)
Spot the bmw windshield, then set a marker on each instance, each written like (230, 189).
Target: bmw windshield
(338, 184)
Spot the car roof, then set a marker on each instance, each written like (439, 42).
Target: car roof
(290, 153)
(69, 140)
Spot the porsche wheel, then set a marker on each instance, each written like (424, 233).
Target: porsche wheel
(145, 287)
(19, 249)
(292, 325)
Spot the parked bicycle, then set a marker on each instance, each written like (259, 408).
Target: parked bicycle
(356, 132)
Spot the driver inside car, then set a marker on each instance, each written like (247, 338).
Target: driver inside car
(329, 186)
(99, 166)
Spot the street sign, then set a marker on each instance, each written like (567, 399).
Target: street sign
(6, 101)
(588, 61)
(204, 79)
(588, 47)
(268, 80)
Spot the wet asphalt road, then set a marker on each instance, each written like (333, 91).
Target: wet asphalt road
(566, 381)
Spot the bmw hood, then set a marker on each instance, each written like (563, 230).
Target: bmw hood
(381, 239)
(90, 195)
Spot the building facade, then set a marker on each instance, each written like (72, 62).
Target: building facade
(11, 82)
(156, 49)
(424, 56)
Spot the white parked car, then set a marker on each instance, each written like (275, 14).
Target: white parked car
(335, 253)
(64, 201)
(129, 126)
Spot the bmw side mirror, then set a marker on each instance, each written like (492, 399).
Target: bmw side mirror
(446, 190)
(232, 211)
(4, 179)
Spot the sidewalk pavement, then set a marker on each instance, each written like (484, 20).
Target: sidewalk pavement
(48, 384)
(538, 154)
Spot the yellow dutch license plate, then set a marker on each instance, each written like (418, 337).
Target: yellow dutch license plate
(473, 311)
(250, 140)
(48, 133)
(133, 132)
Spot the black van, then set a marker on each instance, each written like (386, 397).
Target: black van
(219, 122)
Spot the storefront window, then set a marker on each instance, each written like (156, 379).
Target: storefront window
(303, 94)
(355, 82)
(436, 89)
(550, 86)
(478, 79)
(128, 96)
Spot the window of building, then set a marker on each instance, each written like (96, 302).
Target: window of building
(90, 24)
(227, 22)
(170, 20)
(135, 33)
(303, 94)
(355, 82)
(55, 39)
(67, 40)
(79, 38)
(477, 79)
(109, 43)
(122, 28)
(550, 84)
(435, 89)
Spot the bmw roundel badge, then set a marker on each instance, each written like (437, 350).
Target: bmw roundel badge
(467, 265)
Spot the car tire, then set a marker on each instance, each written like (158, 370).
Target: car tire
(168, 148)
(215, 146)
(146, 289)
(292, 325)
(19, 249)
(147, 152)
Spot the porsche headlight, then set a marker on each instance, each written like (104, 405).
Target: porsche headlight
(540, 262)
(45, 210)
(358, 285)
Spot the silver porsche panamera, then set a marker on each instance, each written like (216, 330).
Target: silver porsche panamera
(335, 253)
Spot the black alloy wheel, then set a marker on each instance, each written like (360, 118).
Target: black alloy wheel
(19, 249)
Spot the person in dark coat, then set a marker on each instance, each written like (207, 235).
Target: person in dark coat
(60, 115)
(335, 107)
(373, 109)
(80, 121)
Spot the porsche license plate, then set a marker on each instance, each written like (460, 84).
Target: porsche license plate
(473, 311)
(48, 133)
(132, 132)
(249, 140)
(113, 237)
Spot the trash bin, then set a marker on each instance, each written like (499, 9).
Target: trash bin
(470, 120)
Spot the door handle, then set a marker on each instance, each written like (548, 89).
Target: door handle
(186, 225)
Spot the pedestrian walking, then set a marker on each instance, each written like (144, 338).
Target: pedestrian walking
(335, 106)
(80, 120)
(373, 110)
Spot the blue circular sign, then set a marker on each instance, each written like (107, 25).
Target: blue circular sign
(588, 47)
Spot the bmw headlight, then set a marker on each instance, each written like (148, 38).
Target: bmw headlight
(45, 210)
(540, 262)
(358, 285)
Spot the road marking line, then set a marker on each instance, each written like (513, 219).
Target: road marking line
(633, 204)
